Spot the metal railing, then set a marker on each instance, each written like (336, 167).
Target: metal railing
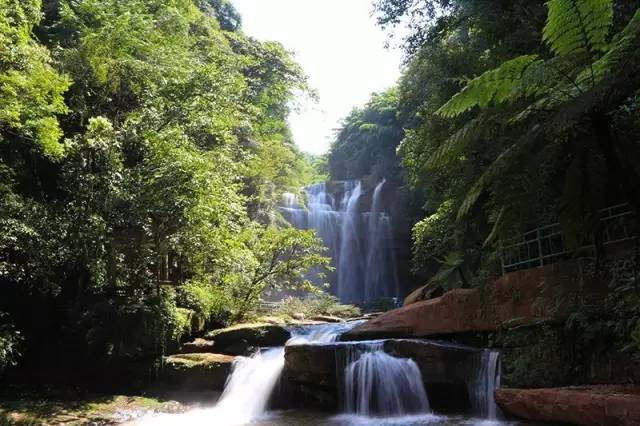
(545, 245)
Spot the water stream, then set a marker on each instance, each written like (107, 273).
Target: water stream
(377, 388)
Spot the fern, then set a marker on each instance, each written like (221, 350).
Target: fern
(494, 86)
(505, 161)
(625, 45)
(578, 25)
(454, 146)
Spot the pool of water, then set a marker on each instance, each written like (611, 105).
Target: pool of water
(209, 417)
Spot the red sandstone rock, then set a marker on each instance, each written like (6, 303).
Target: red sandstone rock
(607, 405)
(514, 299)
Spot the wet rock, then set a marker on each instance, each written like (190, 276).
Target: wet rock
(311, 364)
(445, 368)
(518, 298)
(326, 318)
(246, 338)
(198, 371)
(593, 405)
(198, 346)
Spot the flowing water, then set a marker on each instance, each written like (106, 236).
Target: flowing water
(378, 389)
(359, 242)
(378, 384)
(484, 384)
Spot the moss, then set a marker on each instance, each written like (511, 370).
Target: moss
(42, 410)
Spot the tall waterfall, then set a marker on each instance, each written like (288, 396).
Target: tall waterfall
(378, 384)
(360, 242)
(350, 258)
(381, 277)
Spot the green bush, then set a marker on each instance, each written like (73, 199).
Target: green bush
(205, 299)
(9, 343)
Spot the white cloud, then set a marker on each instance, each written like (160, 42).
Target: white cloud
(341, 49)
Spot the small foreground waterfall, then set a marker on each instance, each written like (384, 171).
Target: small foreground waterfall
(483, 386)
(377, 384)
(360, 242)
(249, 387)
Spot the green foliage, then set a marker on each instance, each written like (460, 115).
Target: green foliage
(9, 344)
(578, 26)
(31, 90)
(281, 260)
(204, 298)
(530, 137)
(366, 143)
(143, 149)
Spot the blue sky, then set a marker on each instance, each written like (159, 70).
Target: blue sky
(340, 48)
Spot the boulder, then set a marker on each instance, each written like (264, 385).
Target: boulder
(244, 339)
(326, 318)
(426, 292)
(198, 346)
(590, 405)
(518, 298)
(199, 371)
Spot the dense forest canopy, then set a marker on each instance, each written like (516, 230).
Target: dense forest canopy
(143, 145)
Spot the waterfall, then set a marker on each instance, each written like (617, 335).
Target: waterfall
(483, 386)
(378, 384)
(350, 269)
(360, 243)
(381, 279)
(250, 385)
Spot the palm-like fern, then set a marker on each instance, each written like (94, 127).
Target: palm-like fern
(570, 84)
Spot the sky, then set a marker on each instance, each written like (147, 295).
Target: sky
(340, 48)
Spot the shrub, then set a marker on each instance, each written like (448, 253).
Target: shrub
(10, 340)
(206, 299)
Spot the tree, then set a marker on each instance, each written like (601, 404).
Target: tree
(366, 143)
(558, 100)
(281, 261)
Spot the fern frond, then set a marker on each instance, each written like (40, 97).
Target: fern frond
(625, 45)
(506, 160)
(494, 86)
(578, 25)
(453, 147)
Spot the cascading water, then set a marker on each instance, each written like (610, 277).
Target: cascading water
(381, 278)
(350, 286)
(360, 243)
(483, 386)
(378, 384)
(250, 385)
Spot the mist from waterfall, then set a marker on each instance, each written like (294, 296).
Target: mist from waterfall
(359, 242)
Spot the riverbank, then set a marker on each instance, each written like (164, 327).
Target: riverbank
(59, 407)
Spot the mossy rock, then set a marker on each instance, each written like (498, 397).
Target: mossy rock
(199, 371)
(244, 339)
